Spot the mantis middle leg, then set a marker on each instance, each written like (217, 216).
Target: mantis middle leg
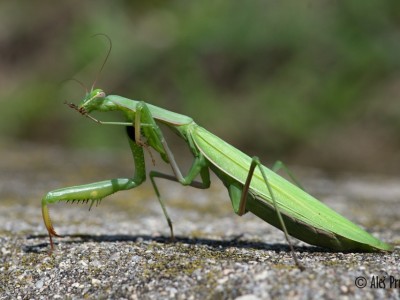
(155, 139)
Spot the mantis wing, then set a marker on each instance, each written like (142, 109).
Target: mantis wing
(294, 203)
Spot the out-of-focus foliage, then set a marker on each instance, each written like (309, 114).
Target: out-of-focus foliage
(314, 81)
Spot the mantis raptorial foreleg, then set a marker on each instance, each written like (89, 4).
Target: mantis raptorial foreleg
(255, 162)
(98, 190)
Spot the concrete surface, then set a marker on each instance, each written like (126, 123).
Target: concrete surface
(121, 249)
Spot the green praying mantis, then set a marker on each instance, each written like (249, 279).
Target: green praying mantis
(251, 186)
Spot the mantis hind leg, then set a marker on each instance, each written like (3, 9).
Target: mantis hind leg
(255, 162)
(279, 165)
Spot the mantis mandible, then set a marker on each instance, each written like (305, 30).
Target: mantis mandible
(251, 186)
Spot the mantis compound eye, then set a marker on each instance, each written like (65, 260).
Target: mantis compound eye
(101, 95)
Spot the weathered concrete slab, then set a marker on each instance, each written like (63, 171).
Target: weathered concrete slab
(121, 249)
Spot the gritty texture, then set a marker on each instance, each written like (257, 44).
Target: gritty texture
(122, 250)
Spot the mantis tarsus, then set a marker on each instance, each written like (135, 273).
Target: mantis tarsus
(251, 186)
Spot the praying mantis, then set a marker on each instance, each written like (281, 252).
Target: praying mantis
(251, 186)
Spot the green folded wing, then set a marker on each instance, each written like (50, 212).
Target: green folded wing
(291, 200)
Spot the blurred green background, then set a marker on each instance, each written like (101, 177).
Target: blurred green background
(313, 83)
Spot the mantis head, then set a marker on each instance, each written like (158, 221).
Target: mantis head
(94, 100)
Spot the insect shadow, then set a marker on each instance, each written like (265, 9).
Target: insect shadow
(215, 244)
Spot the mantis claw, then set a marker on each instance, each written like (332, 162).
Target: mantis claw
(171, 229)
(49, 225)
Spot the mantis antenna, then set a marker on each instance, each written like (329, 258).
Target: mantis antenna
(105, 60)
(77, 81)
